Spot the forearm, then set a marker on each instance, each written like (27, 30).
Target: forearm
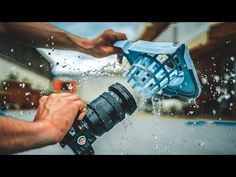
(42, 35)
(19, 135)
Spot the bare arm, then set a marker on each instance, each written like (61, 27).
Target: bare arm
(41, 35)
(19, 135)
(53, 119)
(48, 36)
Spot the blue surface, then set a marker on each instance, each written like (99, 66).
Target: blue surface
(196, 123)
(225, 123)
(202, 122)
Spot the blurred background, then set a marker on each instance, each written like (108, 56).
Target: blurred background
(205, 126)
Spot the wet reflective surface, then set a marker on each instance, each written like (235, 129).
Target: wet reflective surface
(143, 134)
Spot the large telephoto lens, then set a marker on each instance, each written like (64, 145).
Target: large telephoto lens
(102, 114)
(109, 108)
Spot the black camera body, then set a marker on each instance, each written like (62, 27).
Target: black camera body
(102, 114)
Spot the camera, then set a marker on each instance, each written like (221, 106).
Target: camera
(102, 114)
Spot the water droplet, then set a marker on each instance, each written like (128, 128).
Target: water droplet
(29, 64)
(191, 112)
(216, 78)
(22, 85)
(204, 80)
(40, 66)
(201, 143)
(156, 146)
(214, 111)
(156, 105)
(13, 67)
(12, 50)
(27, 93)
(227, 96)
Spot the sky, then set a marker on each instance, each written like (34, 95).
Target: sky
(92, 29)
(71, 62)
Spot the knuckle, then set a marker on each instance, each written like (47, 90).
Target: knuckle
(73, 105)
(80, 104)
(42, 99)
(53, 95)
(108, 30)
(123, 35)
(107, 51)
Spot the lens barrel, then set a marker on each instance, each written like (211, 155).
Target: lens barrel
(103, 113)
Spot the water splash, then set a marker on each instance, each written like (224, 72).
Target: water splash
(106, 70)
(201, 144)
(157, 105)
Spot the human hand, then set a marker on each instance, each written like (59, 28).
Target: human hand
(102, 45)
(57, 112)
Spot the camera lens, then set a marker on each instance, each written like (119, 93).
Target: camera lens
(109, 108)
(102, 114)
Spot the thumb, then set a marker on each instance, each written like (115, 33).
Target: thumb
(109, 50)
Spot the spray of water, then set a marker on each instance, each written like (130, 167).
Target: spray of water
(157, 104)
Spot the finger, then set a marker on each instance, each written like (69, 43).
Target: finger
(120, 36)
(58, 95)
(115, 36)
(109, 50)
(110, 30)
(82, 109)
(81, 116)
(42, 100)
(73, 98)
(65, 94)
(80, 105)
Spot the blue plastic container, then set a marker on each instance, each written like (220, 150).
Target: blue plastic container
(160, 65)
